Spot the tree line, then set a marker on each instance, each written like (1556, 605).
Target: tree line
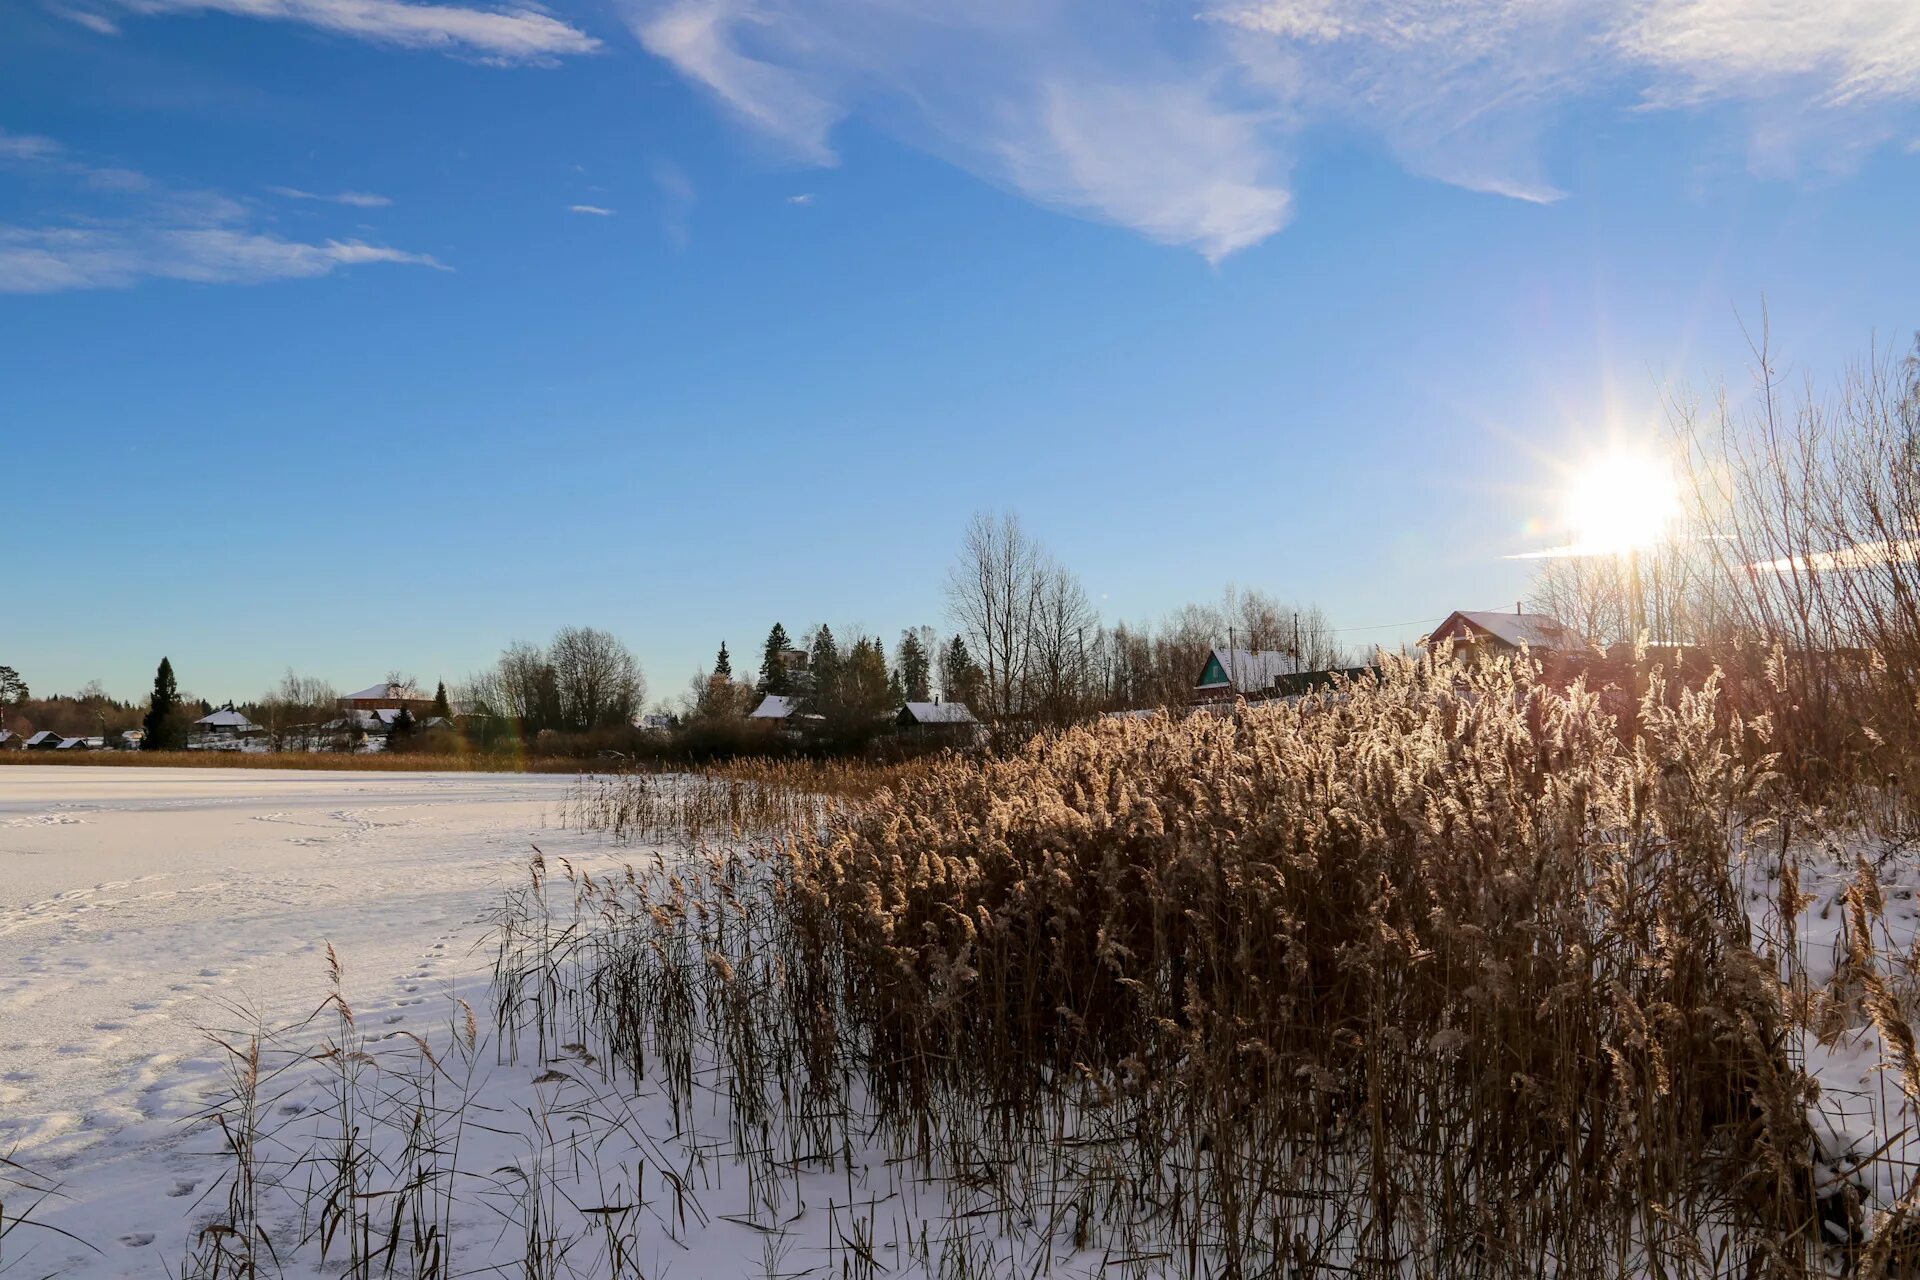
(1026, 648)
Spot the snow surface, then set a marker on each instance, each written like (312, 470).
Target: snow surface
(138, 906)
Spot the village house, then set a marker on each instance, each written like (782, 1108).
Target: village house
(1497, 632)
(45, 740)
(778, 707)
(946, 720)
(390, 696)
(1243, 673)
(224, 730)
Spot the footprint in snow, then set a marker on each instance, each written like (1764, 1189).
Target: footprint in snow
(137, 1239)
(183, 1187)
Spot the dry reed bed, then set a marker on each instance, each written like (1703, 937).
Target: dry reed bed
(1439, 974)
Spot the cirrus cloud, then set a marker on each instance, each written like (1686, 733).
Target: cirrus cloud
(55, 259)
(525, 33)
(122, 227)
(1183, 126)
(355, 199)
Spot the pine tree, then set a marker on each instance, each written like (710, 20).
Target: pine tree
(914, 669)
(162, 726)
(12, 687)
(441, 707)
(399, 737)
(773, 670)
(723, 664)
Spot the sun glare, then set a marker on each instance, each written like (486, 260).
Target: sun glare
(1621, 501)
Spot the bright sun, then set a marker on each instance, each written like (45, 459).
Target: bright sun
(1621, 501)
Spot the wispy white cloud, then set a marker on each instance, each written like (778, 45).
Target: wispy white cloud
(1182, 125)
(356, 199)
(803, 198)
(53, 259)
(1847, 559)
(520, 34)
(1087, 107)
(96, 22)
(593, 209)
(128, 228)
(677, 197)
(27, 146)
(1835, 53)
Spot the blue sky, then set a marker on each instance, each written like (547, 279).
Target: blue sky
(318, 355)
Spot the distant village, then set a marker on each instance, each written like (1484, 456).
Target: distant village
(802, 697)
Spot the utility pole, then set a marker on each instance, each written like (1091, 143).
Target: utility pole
(1636, 606)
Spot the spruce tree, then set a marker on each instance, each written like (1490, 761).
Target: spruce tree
(161, 724)
(773, 671)
(441, 707)
(864, 691)
(825, 666)
(723, 664)
(914, 668)
(963, 676)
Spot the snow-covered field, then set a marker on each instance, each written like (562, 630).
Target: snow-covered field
(139, 906)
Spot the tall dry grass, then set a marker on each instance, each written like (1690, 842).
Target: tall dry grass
(1447, 972)
(1435, 972)
(1450, 972)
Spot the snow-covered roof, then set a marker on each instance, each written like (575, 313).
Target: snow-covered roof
(45, 735)
(775, 706)
(1536, 631)
(1245, 670)
(389, 692)
(226, 718)
(939, 713)
(68, 744)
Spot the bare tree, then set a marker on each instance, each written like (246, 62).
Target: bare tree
(993, 594)
(1058, 672)
(1810, 506)
(292, 711)
(598, 680)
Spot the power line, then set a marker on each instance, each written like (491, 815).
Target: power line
(1389, 626)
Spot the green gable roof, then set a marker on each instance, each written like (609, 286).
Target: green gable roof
(1215, 673)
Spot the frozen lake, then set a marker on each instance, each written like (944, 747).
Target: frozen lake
(138, 906)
